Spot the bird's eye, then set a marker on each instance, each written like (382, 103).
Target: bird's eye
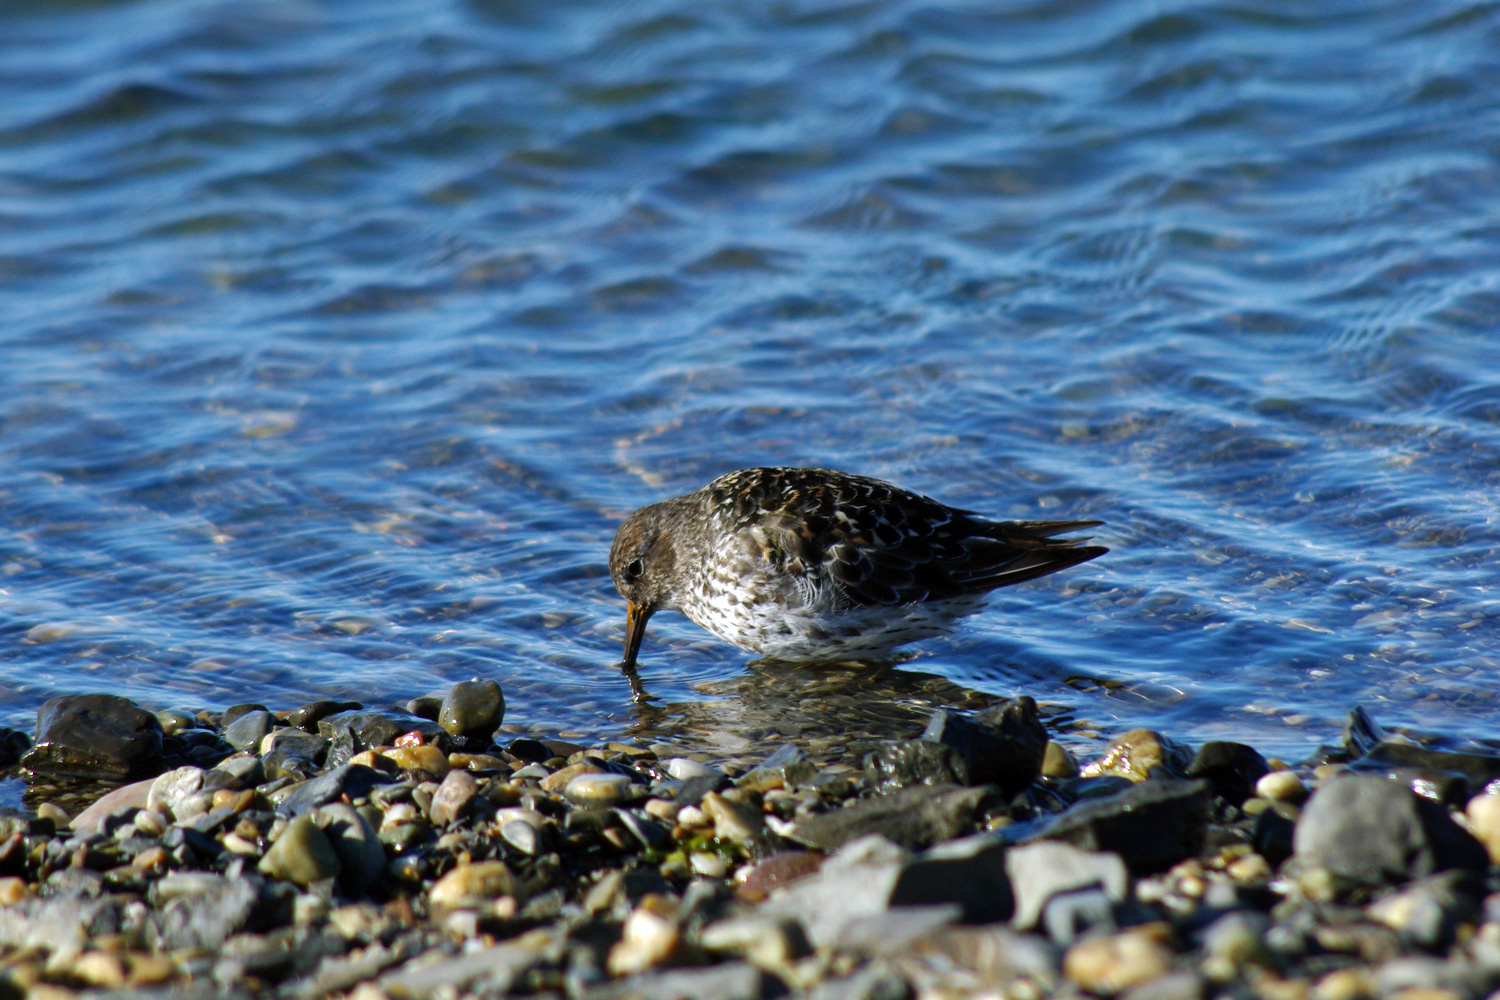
(635, 569)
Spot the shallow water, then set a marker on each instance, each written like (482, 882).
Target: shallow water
(338, 337)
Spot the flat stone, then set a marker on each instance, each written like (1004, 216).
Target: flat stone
(301, 855)
(1477, 769)
(726, 981)
(95, 735)
(1373, 830)
(779, 870)
(353, 780)
(348, 733)
(487, 972)
(123, 799)
(1043, 869)
(473, 709)
(246, 732)
(968, 872)
(786, 767)
(912, 817)
(1151, 826)
(453, 798)
(308, 716)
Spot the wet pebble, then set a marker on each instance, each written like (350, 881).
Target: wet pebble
(473, 708)
(301, 855)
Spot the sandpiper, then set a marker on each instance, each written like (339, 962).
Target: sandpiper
(809, 564)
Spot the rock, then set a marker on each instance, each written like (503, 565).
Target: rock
(523, 837)
(362, 861)
(95, 735)
(246, 732)
(651, 937)
(1182, 985)
(1282, 786)
(205, 914)
(683, 769)
(1371, 830)
(187, 791)
(479, 883)
(350, 732)
(1067, 916)
(124, 799)
(308, 716)
(1237, 939)
(1109, 965)
(1477, 769)
(1041, 870)
(558, 780)
(486, 972)
(1361, 733)
(726, 981)
(969, 872)
(778, 870)
(904, 763)
(1430, 911)
(453, 798)
(998, 956)
(786, 767)
(598, 789)
(422, 757)
(768, 943)
(1138, 753)
(13, 746)
(301, 855)
(1001, 746)
(1231, 768)
(353, 780)
(473, 708)
(1483, 813)
(234, 713)
(913, 817)
(1151, 826)
(1058, 762)
(893, 931)
(737, 823)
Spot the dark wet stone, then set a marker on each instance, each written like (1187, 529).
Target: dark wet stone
(308, 716)
(13, 744)
(1361, 733)
(1002, 746)
(904, 763)
(247, 770)
(1151, 826)
(246, 732)
(1478, 770)
(786, 767)
(353, 780)
(350, 732)
(915, 818)
(286, 762)
(95, 735)
(1231, 768)
(650, 834)
(473, 709)
(1094, 787)
(1372, 830)
(1044, 869)
(234, 713)
(1273, 834)
(969, 872)
(426, 706)
(530, 750)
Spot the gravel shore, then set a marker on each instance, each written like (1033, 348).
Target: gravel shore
(421, 851)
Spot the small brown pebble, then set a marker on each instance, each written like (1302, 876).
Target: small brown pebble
(558, 780)
(1112, 964)
(1057, 762)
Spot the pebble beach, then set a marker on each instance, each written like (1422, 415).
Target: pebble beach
(421, 850)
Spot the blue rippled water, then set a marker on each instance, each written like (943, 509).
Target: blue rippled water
(338, 337)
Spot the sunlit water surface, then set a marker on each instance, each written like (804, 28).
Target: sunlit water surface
(338, 337)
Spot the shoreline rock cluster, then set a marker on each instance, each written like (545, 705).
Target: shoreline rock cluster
(407, 852)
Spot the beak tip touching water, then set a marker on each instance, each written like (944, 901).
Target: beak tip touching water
(636, 616)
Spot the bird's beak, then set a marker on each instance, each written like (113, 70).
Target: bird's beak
(636, 616)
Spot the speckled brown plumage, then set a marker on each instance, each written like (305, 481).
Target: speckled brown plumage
(808, 564)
